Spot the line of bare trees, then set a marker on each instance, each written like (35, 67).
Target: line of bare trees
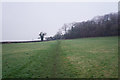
(99, 26)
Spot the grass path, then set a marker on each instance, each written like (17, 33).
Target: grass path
(56, 58)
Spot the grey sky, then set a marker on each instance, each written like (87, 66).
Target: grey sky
(24, 20)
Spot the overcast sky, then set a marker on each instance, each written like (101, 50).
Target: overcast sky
(24, 20)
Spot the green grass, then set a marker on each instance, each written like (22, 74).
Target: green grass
(75, 58)
(0, 61)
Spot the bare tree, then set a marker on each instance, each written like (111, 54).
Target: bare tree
(106, 25)
(64, 28)
(42, 34)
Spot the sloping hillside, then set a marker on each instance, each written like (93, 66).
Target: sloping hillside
(75, 58)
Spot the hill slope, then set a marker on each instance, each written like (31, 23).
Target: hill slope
(77, 58)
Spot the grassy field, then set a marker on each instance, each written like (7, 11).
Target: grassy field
(75, 58)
